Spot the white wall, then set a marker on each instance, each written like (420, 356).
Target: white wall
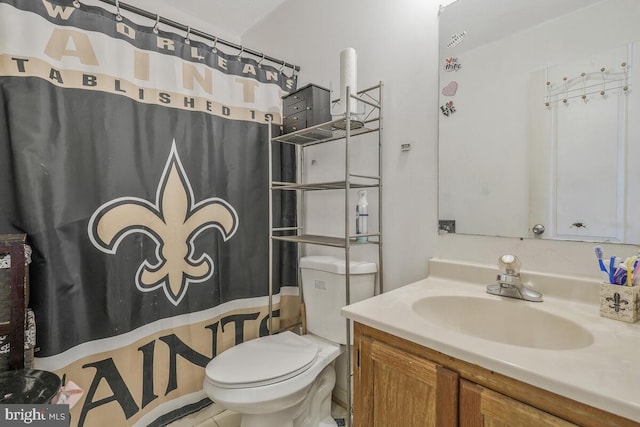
(396, 43)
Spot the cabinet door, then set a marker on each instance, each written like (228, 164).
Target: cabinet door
(396, 388)
(480, 406)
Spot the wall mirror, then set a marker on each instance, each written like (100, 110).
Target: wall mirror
(540, 119)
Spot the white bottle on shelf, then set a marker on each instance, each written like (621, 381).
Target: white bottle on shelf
(362, 216)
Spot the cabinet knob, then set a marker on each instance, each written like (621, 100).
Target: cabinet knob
(294, 128)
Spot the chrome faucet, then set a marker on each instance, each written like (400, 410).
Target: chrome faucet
(509, 283)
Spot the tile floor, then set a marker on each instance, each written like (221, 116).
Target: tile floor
(224, 419)
(230, 418)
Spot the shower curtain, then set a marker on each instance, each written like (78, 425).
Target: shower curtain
(136, 161)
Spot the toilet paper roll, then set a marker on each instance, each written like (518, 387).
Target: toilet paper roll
(348, 77)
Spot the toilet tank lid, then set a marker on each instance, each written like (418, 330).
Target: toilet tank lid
(336, 265)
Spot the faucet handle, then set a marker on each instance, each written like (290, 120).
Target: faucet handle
(508, 279)
(509, 264)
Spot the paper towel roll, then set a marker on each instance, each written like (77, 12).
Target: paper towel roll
(348, 77)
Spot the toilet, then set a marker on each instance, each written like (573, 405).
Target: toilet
(286, 380)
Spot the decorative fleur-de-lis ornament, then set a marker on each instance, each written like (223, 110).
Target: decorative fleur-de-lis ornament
(618, 302)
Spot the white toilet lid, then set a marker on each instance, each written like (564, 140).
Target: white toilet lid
(262, 361)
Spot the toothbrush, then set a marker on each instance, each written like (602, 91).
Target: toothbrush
(620, 276)
(630, 263)
(600, 255)
(612, 268)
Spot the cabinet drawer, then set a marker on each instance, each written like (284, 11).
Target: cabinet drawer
(295, 122)
(293, 108)
(302, 93)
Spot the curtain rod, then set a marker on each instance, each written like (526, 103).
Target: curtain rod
(174, 24)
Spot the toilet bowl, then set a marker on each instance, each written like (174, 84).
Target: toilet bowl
(286, 380)
(283, 380)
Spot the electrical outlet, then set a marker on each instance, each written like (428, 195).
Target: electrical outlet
(405, 147)
(447, 225)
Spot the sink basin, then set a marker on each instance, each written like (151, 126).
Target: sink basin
(505, 321)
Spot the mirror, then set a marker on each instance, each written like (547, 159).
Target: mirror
(539, 119)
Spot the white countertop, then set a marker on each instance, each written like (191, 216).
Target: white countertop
(605, 374)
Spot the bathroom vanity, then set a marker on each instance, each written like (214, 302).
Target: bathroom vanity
(400, 383)
(552, 363)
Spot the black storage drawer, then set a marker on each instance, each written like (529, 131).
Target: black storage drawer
(289, 109)
(308, 106)
(295, 122)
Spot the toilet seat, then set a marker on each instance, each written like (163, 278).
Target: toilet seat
(262, 361)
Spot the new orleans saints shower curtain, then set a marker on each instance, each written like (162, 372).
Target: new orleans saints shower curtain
(136, 162)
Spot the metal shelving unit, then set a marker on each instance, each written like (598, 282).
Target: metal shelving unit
(344, 130)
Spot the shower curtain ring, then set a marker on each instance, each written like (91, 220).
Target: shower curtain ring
(261, 61)
(118, 15)
(282, 67)
(240, 54)
(214, 49)
(76, 4)
(187, 40)
(155, 26)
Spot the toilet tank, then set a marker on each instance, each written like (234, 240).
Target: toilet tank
(324, 293)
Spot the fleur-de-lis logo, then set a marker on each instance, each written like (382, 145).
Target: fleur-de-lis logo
(618, 302)
(173, 223)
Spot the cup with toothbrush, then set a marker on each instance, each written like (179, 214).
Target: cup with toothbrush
(619, 298)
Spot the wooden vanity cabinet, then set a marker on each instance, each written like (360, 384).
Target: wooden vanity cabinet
(480, 406)
(396, 388)
(400, 383)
